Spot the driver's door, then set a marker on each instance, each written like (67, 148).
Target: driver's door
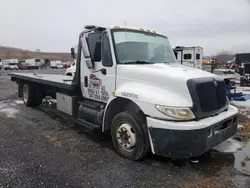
(98, 83)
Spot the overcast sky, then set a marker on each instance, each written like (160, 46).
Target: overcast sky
(54, 25)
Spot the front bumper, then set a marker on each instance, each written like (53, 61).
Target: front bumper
(193, 138)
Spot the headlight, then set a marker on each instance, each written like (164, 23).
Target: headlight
(177, 113)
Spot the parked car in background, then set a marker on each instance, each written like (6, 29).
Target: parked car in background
(22, 65)
(66, 65)
(71, 70)
(13, 66)
(59, 65)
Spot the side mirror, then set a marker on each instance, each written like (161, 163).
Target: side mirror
(86, 54)
(89, 63)
(73, 54)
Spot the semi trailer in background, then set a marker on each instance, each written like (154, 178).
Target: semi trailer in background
(56, 64)
(243, 62)
(189, 56)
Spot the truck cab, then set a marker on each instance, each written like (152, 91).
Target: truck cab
(128, 83)
(189, 56)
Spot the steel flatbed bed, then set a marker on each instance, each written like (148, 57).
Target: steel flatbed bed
(53, 80)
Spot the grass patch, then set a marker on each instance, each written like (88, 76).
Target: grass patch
(221, 179)
(246, 124)
(54, 140)
(245, 133)
(199, 181)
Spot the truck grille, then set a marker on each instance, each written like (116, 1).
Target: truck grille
(211, 97)
(208, 95)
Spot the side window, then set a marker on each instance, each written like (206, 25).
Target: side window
(176, 55)
(94, 42)
(198, 56)
(187, 56)
(106, 51)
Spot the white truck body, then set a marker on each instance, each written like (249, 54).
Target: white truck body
(59, 65)
(189, 56)
(53, 64)
(128, 82)
(10, 64)
(34, 63)
(56, 65)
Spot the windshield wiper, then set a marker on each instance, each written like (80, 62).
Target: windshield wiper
(139, 62)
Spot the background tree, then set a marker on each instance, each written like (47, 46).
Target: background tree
(224, 56)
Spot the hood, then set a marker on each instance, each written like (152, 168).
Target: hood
(172, 78)
(161, 73)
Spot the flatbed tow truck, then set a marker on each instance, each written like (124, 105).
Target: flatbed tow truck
(129, 84)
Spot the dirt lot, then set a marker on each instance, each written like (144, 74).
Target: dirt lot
(40, 149)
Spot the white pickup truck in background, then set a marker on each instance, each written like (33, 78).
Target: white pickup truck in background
(56, 64)
(10, 64)
(128, 83)
(71, 70)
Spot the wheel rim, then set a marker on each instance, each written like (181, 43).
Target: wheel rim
(25, 94)
(126, 138)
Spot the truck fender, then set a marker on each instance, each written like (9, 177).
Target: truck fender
(145, 97)
(114, 106)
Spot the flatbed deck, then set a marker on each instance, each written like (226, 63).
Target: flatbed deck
(59, 81)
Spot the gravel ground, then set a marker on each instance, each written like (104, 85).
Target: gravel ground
(40, 149)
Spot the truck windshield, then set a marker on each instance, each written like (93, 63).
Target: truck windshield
(138, 47)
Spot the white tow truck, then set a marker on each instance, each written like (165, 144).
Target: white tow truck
(129, 84)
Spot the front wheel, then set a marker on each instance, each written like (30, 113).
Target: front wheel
(130, 137)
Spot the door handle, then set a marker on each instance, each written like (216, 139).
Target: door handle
(104, 71)
(85, 81)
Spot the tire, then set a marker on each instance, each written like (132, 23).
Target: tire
(38, 97)
(242, 82)
(138, 139)
(31, 96)
(68, 74)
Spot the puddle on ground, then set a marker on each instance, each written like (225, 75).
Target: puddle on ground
(242, 159)
(19, 101)
(7, 109)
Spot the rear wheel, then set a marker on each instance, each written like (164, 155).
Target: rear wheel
(31, 95)
(129, 136)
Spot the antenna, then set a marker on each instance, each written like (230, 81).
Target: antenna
(126, 38)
